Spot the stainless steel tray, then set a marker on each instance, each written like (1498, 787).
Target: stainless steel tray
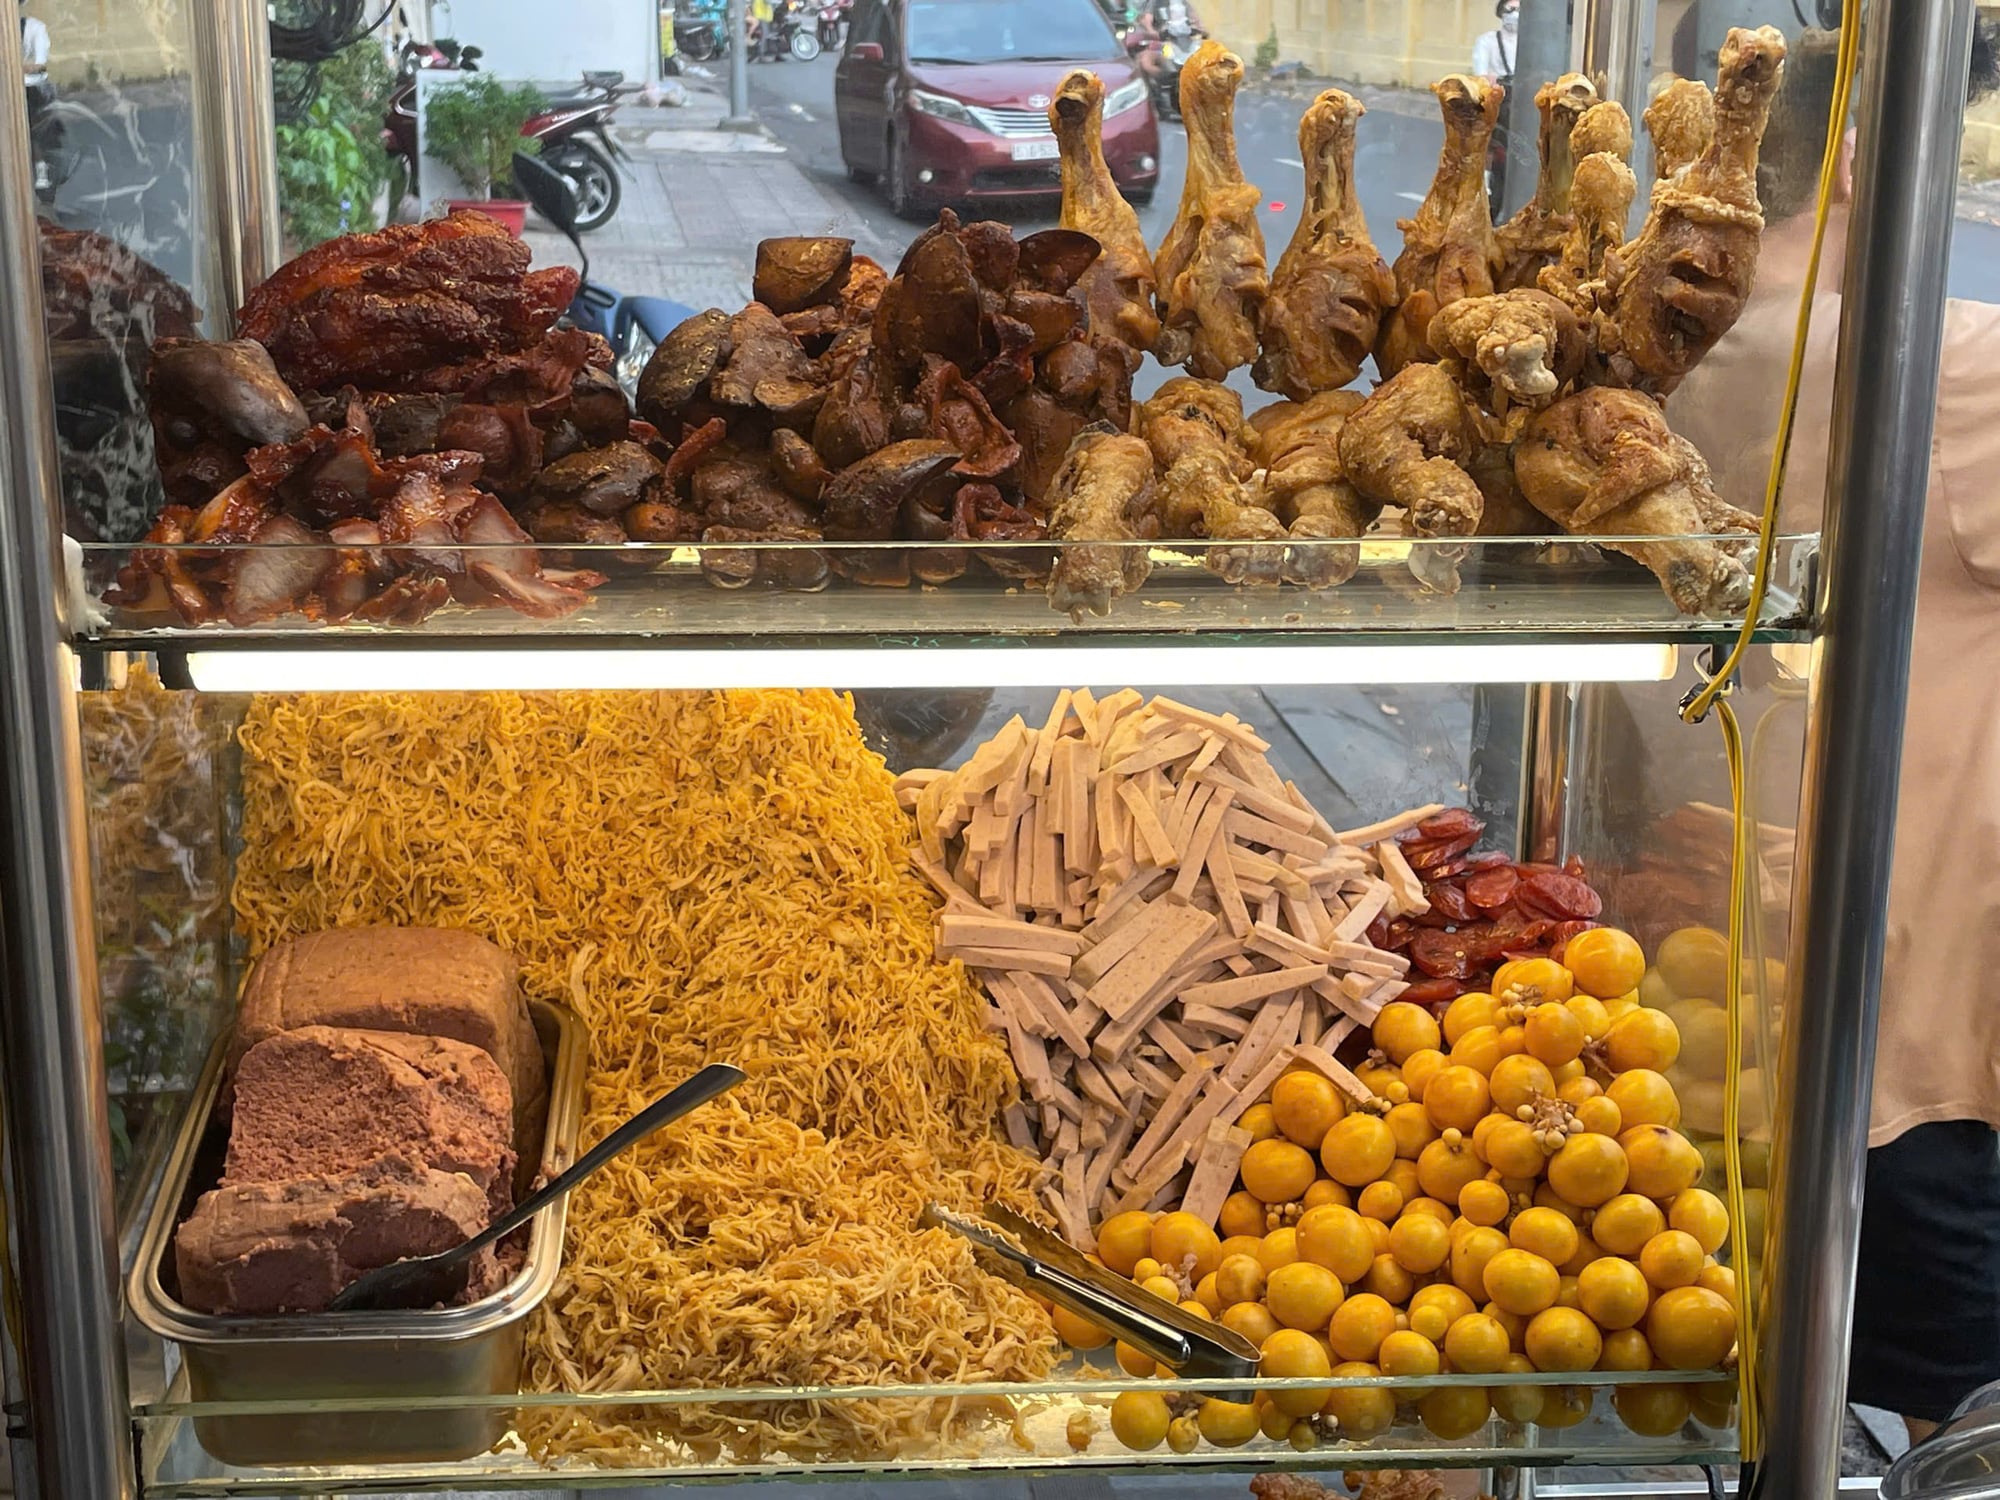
(470, 1350)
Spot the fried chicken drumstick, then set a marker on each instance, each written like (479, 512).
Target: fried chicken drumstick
(1681, 122)
(1534, 237)
(1682, 283)
(1604, 463)
(1211, 267)
(1297, 445)
(1103, 492)
(1449, 250)
(1119, 287)
(1331, 286)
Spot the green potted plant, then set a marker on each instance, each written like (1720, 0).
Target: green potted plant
(474, 128)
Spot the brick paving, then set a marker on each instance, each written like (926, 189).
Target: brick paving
(696, 202)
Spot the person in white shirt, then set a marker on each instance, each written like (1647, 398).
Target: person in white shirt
(1493, 53)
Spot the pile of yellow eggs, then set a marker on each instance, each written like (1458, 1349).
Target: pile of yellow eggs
(1518, 1197)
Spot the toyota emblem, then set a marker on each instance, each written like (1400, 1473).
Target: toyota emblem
(1038, 101)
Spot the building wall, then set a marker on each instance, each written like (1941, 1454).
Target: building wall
(113, 41)
(1372, 41)
(541, 42)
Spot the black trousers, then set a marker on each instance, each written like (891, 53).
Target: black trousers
(1927, 1290)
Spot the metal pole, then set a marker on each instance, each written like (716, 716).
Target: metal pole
(57, 1108)
(740, 117)
(1885, 399)
(1618, 57)
(1548, 739)
(235, 131)
(1541, 56)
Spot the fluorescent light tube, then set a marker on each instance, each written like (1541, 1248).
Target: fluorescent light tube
(336, 670)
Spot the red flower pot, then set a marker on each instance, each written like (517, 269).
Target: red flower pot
(511, 212)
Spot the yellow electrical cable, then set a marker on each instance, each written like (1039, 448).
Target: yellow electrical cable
(1699, 702)
(1751, 1421)
(1709, 695)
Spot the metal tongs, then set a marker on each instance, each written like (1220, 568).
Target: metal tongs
(1018, 1251)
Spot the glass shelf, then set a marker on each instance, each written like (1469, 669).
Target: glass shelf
(999, 1428)
(1508, 589)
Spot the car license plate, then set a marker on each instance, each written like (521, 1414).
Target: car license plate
(1045, 150)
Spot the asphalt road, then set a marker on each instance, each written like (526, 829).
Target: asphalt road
(1396, 158)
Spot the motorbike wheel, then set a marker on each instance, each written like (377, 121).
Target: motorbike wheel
(699, 45)
(805, 46)
(595, 181)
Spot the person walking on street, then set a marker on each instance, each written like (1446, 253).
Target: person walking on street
(1493, 52)
(35, 76)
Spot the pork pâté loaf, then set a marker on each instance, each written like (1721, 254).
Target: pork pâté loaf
(427, 981)
(324, 1101)
(259, 1248)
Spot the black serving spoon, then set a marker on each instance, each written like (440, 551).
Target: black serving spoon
(428, 1280)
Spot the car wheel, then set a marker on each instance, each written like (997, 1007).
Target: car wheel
(595, 182)
(897, 188)
(861, 175)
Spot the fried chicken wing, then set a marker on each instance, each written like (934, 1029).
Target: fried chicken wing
(1407, 444)
(1104, 492)
(1604, 463)
(1119, 288)
(1331, 287)
(1449, 250)
(1682, 283)
(1297, 445)
(1515, 349)
(1210, 269)
(1534, 237)
(1681, 121)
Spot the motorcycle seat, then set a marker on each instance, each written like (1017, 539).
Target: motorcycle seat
(573, 101)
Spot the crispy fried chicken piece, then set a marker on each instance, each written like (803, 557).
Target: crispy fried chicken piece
(1211, 268)
(1604, 127)
(1406, 445)
(1682, 284)
(376, 309)
(1534, 237)
(1449, 250)
(1331, 287)
(1681, 122)
(1604, 463)
(1516, 349)
(1104, 492)
(1200, 496)
(1119, 288)
(1601, 201)
(1187, 415)
(1297, 445)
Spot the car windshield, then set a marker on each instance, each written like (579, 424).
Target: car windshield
(992, 31)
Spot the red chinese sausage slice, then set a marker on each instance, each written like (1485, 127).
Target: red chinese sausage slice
(1560, 935)
(1451, 903)
(1426, 855)
(1487, 860)
(1491, 888)
(1561, 897)
(1433, 992)
(1457, 822)
(1443, 955)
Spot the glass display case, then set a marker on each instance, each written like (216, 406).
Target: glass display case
(860, 814)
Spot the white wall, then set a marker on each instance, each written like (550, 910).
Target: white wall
(553, 41)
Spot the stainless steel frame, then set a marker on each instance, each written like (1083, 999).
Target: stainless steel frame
(58, 1126)
(77, 1419)
(1917, 55)
(236, 145)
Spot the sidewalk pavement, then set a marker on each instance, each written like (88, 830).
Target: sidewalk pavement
(696, 201)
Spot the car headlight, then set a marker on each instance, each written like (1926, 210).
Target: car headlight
(1131, 96)
(942, 108)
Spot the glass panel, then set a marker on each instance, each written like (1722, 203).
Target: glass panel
(986, 1430)
(1505, 586)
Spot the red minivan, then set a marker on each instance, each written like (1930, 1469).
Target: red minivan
(944, 101)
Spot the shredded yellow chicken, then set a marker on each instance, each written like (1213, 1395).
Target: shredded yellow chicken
(704, 877)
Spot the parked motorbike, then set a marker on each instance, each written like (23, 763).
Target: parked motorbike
(635, 326)
(701, 30)
(1165, 81)
(786, 34)
(832, 23)
(574, 132)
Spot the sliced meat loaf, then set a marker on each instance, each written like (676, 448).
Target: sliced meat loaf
(324, 1101)
(290, 1247)
(427, 981)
